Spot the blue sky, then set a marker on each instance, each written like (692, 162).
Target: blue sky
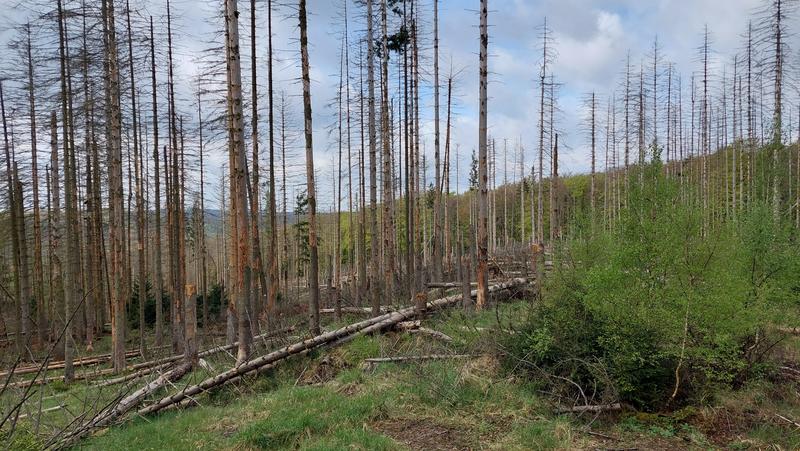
(592, 39)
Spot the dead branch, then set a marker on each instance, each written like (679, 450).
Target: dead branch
(587, 408)
(417, 358)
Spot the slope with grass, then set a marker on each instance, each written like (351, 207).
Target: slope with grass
(330, 401)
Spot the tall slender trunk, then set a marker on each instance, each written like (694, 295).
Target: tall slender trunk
(351, 227)
(483, 220)
(438, 208)
(388, 213)
(592, 193)
(116, 222)
(259, 286)
(157, 273)
(69, 250)
(38, 275)
(272, 289)
(202, 222)
(312, 197)
(374, 285)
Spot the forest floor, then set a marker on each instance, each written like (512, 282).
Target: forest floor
(331, 400)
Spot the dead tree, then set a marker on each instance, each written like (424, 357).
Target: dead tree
(157, 273)
(239, 183)
(375, 280)
(483, 219)
(311, 191)
(140, 238)
(546, 42)
(38, 271)
(70, 202)
(272, 288)
(438, 208)
(388, 212)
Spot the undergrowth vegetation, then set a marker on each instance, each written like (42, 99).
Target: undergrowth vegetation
(660, 310)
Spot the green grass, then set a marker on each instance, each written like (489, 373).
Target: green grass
(465, 403)
(294, 413)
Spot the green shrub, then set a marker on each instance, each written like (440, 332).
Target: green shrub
(666, 289)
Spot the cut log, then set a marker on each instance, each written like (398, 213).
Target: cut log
(332, 338)
(598, 408)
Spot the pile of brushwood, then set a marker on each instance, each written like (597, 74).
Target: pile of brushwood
(664, 305)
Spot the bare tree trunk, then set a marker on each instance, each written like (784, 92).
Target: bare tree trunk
(272, 289)
(260, 283)
(438, 208)
(38, 275)
(353, 248)
(56, 285)
(312, 198)
(446, 210)
(157, 275)
(21, 319)
(388, 213)
(483, 195)
(69, 250)
(202, 221)
(374, 286)
(592, 192)
(362, 204)
(116, 223)
(140, 238)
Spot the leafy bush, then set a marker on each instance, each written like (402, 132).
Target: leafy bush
(663, 305)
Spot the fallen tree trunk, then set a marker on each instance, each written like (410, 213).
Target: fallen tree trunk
(417, 358)
(83, 361)
(49, 409)
(115, 411)
(352, 310)
(582, 409)
(332, 338)
(448, 284)
(415, 327)
(77, 377)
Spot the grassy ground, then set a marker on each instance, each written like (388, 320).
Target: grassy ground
(329, 400)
